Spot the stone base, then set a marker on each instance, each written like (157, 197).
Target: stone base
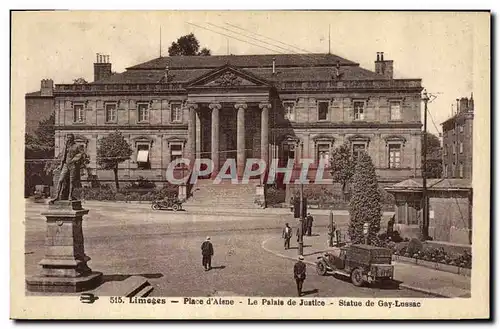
(64, 284)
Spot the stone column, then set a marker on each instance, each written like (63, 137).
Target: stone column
(264, 132)
(215, 107)
(191, 142)
(240, 137)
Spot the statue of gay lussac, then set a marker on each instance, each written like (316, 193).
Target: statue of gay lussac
(72, 158)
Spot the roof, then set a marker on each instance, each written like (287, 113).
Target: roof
(306, 73)
(244, 61)
(433, 184)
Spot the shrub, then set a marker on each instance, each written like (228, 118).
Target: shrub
(364, 205)
(414, 246)
(275, 196)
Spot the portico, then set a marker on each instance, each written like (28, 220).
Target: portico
(244, 126)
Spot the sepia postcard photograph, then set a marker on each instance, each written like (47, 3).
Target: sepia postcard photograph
(250, 164)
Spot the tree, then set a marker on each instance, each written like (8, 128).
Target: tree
(434, 156)
(342, 165)
(364, 205)
(187, 45)
(111, 151)
(38, 147)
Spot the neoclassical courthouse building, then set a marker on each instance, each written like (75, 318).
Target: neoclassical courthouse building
(260, 106)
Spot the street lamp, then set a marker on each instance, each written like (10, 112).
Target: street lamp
(425, 208)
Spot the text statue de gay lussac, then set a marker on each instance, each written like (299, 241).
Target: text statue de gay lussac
(64, 268)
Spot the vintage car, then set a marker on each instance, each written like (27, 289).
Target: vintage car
(168, 203)
(362, 263)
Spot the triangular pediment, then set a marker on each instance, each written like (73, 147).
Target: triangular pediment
(228, 77)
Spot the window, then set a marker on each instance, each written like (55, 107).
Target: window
(322, 110)
(394, 156)
(453, 170)
(445, 149)
(176, 153)
(461, 170)
(359, 110)
(461, 147)
(445, 171)
(461, 128)
(175, 112)
(453, 148)
(323, 153)
(289, 108)
(143, 112)
(78, 113)
(395, 108)
(143, 156)
(111, 112)
(357, 148)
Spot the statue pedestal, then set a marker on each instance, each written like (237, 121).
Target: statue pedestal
(64, 268)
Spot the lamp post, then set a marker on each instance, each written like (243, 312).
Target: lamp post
(301, 221)
(425, 205)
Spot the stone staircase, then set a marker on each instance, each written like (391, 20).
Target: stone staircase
(224, 195)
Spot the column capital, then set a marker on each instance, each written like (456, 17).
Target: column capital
(193, 106)
(240, 106)
(265, 105)
(215, 106)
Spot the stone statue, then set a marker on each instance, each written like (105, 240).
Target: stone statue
(69, 168)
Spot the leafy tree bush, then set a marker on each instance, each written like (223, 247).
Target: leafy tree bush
(414, 246)
(111, 151)
(342, 166)
(187, 45)
(364, 205)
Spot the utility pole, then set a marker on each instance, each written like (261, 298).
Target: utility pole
(301, 221)
(425, 208)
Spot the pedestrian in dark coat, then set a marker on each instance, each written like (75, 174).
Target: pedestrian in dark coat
(299, 274)
(309, 221)
(287, 235)
(207, 251)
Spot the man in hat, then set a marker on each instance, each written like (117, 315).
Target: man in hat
(287, 235)
(299, 274)
(207, 251)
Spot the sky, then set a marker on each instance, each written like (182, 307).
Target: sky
(439, 48)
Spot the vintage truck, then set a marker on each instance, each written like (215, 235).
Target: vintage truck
(362, 263)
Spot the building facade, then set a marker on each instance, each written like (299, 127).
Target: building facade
(39, 105)
(250, 106)
(457, 141)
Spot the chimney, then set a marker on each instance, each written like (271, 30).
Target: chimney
(274, 65)
(471, 103)
(47, 87)
(384, 67)
(464, 104)
(102, 67)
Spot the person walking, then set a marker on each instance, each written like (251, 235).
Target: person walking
(309, 221)
(207, 251)
(287, 235)
(332, 228)
(299, 274)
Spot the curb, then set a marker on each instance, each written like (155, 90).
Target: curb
(402, 285)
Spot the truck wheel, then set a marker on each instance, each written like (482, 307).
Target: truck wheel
(321, 268)
(155, 206)
(357, 277)
(175, 207)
